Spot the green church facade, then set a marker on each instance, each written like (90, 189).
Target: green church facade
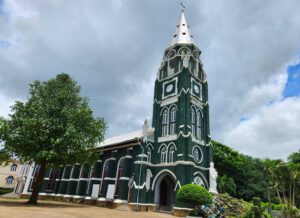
(145, 168)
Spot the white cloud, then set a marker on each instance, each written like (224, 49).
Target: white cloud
(114, 49)
(273, 129)
(5, 105)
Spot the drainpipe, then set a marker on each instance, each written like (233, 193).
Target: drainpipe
(138, 194)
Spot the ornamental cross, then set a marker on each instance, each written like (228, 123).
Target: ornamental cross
(182, 5)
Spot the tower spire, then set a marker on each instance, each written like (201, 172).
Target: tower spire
(183, 33)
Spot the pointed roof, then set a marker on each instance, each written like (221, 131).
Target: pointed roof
(183, 33)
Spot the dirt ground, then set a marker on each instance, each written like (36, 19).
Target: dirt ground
(16, 208)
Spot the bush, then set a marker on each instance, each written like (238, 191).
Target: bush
(194, 195)
(278, 207)
(289, 211)
(257, 210)
(5, 191)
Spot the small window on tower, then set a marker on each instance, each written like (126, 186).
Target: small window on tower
(149, 154)
(175, 35)
(199, 122)
(171, 153)
(165, 122)
(193, 122)
(163, 155)
(173, 120)
(183, 33)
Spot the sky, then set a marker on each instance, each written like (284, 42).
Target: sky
(113, 49)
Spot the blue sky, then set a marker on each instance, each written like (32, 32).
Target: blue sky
(1, 7)
(292, 88)
(4, 44)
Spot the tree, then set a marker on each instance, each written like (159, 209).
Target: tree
(271, 167)
(4, 156)
(248, 173)
(226, 184)
(54, 127)
(294, 165)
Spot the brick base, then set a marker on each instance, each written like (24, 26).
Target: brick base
(91, 202)
(141, 208)
(181, 212)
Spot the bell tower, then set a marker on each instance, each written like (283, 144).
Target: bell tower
(181, 109)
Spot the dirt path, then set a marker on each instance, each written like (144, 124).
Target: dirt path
(16, 208)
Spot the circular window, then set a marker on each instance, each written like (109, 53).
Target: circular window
(197, 154)
(196, 89)
(169, 88)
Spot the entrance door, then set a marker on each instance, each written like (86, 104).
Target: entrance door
(166, 194)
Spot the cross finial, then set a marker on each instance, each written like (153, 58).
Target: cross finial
(182, 5)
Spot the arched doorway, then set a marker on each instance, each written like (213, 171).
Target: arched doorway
(165, 193)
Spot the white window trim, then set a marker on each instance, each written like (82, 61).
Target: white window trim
(200, 95)
(164, 96)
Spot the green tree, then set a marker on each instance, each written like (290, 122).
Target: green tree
(248, 173)
(294, 165)
(226, 184)
(55, 126)
(271, 167)
(4, 156)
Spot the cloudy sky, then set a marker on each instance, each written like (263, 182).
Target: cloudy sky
(250, 51)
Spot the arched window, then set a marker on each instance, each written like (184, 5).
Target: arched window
(149, 154)
(163, 155)
(13, 167)
(9, 180)
(173, 120)
(196, 123)
(165, 122)
(171, 62)
(196, 69)
(199, 122)
(171, 153)
(120, 174)
(93, 171)
(83, 172)
(105, 169)
(121, 169)
(51, 181)
(193, 122)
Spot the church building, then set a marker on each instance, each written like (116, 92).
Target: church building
(144, 169)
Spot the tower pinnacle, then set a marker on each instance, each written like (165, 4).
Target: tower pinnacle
(183, 34)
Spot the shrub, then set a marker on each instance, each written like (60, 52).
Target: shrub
(5, 191)
(257, 210)
(194, 195)
(278, 207)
